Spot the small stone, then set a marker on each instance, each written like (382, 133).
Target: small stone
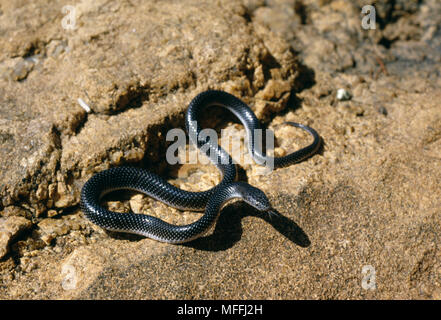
(49, 228)
(27, 264)
(64, 198)
(259, 77)
(10, 211)
(382, 110)
(21, 70)
(135, 154)
(116, 206)
(116, 157)
(187, 170)
(41, 193)
(279, 152)
(136, 203)
(343, 95)
(52, 213)
(264, 107)
(51, 190)
(10, 228)
(274, 90)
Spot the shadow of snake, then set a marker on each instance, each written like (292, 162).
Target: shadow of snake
(228, 229)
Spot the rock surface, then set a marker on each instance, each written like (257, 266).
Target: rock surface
(359, 220)
(10, 228)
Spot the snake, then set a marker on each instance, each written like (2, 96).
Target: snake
(210, 201)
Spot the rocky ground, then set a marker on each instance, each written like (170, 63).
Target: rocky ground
(360, 220)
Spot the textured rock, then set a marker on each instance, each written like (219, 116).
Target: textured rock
(10, 228)
(368, 202)
(165, 55)
(49, 229)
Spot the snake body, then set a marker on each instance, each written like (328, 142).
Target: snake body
(210, 201)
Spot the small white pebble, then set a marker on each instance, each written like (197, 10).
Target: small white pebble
(84, 105)
(343, 95)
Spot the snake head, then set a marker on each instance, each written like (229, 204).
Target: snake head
(253, 196)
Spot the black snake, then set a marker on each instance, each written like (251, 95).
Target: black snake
(211, 200)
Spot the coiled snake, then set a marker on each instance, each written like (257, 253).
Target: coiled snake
(211, 201)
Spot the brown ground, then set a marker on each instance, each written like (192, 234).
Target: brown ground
(369, 199)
